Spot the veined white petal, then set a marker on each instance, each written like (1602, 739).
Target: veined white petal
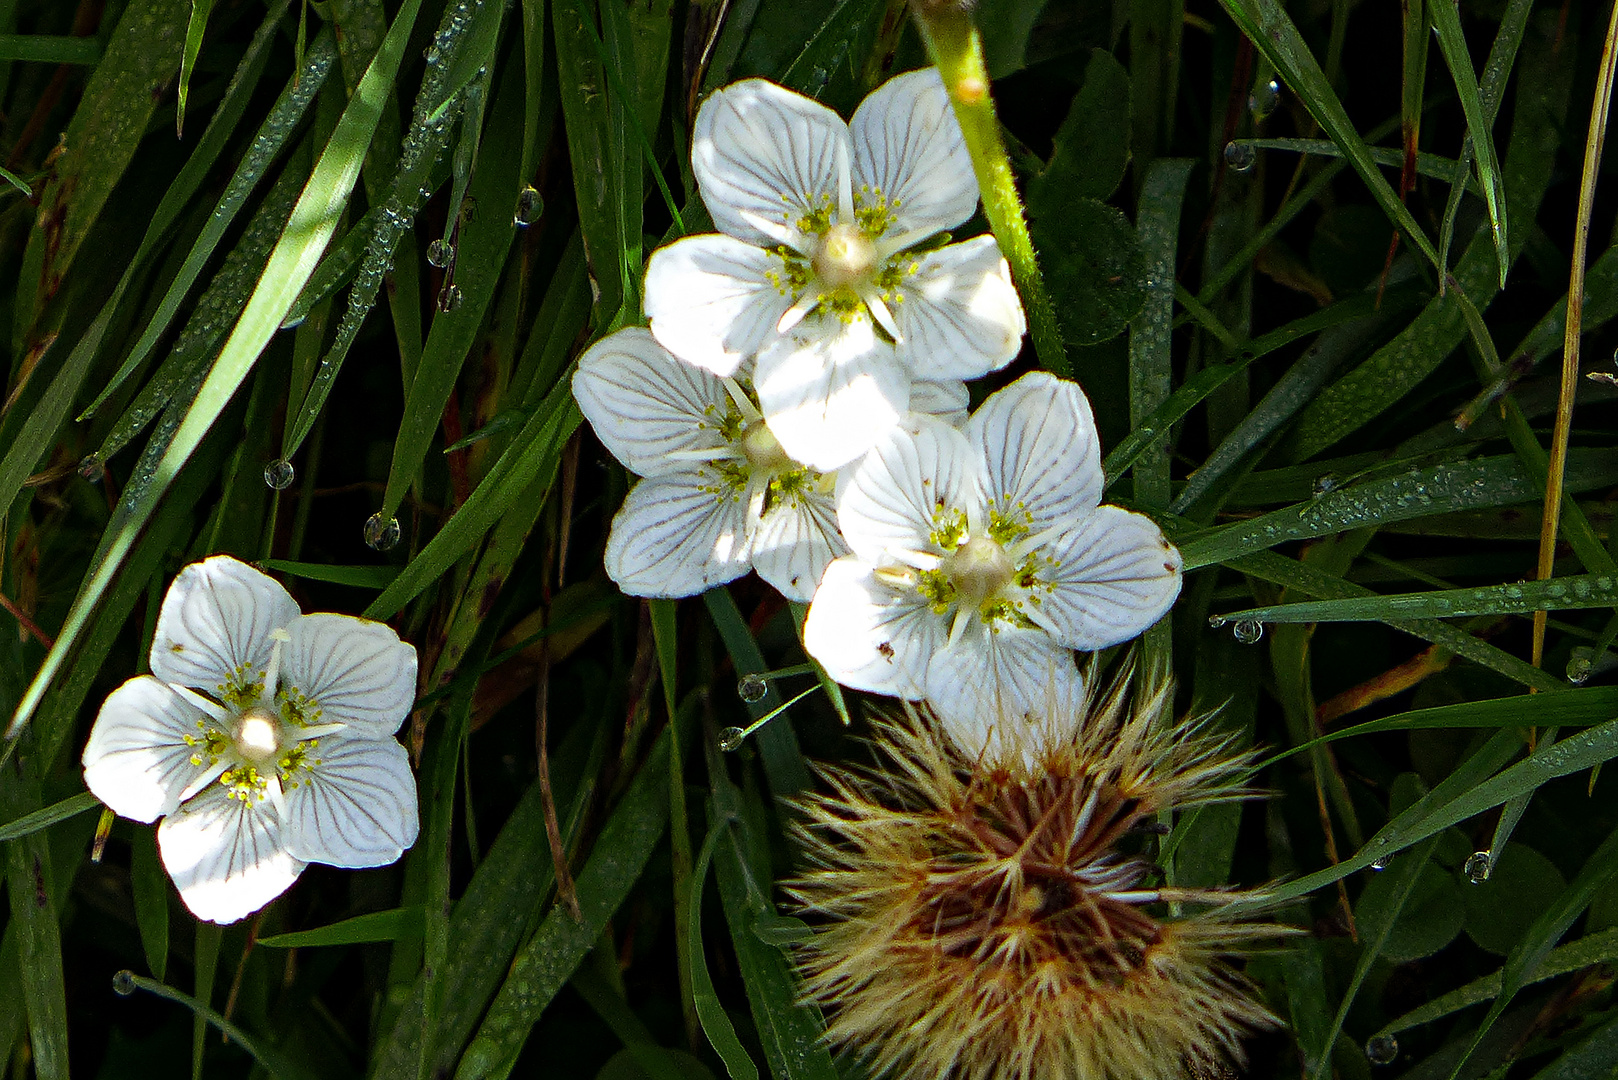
(1115, 575)
(765, 158)
(227, 856)
(918, 478)
(797, 539)
(137, 760)
(868, 634)
(959, 312)
(351, 802)
(351, 671)
(644, 404)
(946, 400)
(714, 300)
(1038, 440)
(908, 146)
(215, 625)
(830, 389)
(679, 535)
(993, 687)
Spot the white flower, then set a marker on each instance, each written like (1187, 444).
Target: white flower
(263, 738)
(815, 268)
(981, 559)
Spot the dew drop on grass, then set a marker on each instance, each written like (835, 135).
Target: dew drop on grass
(380, 534)
(1478, 866)
(1240, 156)
(529, 206)
(92, 469)
(751, 689)
(279, 474)
(450, 298)
(440, 253)
(1383, 863)
(1248, 631)
(1264, 98)
(1382, 1049)
(731, 738)
(123, 983)
(1326, 483)
(1579, 668)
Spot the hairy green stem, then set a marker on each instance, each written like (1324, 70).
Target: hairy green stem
(956, 48)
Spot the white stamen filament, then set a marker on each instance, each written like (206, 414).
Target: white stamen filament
(272, 671)
(743, 403)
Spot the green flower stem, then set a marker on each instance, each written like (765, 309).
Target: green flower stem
(956, 48)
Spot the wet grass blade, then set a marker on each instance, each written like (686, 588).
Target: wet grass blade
(1579, 592)
(1151, 369)
(50, 49)
(373, 926)
(194, 31)
(313, 220)
(1452, 43)
(71, 806)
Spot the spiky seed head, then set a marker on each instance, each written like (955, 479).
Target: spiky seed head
(1000, 919)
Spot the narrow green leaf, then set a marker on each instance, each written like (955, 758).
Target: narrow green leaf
(72, 806)
(1433, 165)
(293, 260)
(49, 49)
(33, 888)
(1452, 43)
(1150, 363)
(194, 32)
(274, 1064)
(373, 926)
(1556, 594)
(361, 577)
(546, 963)
(715, 1021)
(1590, 1059)
(150, 885)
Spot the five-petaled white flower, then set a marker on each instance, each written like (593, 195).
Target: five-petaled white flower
(816, 269)
(981, 559)
(719, 495)
(263, 738)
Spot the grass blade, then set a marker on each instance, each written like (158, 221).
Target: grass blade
(1479, 123)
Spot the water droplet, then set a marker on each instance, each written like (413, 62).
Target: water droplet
(123, 983)
(1478, 866)
(433, 54)
(279, 475)
(450, 297)
(1579, 667)
(1382, 1049)
(440, 253)
(1383, 863)
(1264, 98)
(752, 689)
(381, 534)
(731, 739)
(1326, 483)
(1248, 631)
(529, 206)
(1240, 156)
(91, 469)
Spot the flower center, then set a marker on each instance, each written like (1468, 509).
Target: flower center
(762, 450)
(978, 569)
(846, 257)
(258, 736)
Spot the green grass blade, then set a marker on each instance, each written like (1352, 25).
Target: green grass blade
(72, 806)
(374, 926)
(1452, 43)
(278, 1068)
(33, 887)
(293, 260)
(194, 31)
(149, 884)
(546, 963)
(1270, 29)
(715, 1021)
(1578, 592)
(50, 49)
(1151, 369)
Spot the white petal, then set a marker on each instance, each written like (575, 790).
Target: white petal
(764, 158)
(870, 635)
(1038, 439)
(944, 401)
(678, 535)
(830, 389)
(351, 803)
(913, 481)
(714, 301)
(959, 314)
(355, 671)
(993, 689)
(644, 404)
(214, 629)
(908, 146)
(1115, 576)
(227, 856)
(795, 541)
(137, 760)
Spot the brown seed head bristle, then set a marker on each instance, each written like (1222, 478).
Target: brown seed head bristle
(1002, 919)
